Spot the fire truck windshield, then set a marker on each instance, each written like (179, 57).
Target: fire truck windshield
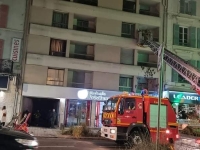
(111, 104)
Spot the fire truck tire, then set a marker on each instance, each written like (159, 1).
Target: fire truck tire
(135, 138)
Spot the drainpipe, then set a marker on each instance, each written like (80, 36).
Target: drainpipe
(25, 37)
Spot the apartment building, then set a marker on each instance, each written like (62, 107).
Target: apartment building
(81, 52)
(12, 15)
(183, 38)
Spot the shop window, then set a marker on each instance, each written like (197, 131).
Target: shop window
(57, 47)
(82, 51)
(126, 84)
(60, 20)
(4, 81)
(55, 77)
(128, 30)
(78, 112)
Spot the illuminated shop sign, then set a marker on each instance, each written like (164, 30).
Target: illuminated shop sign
(95, 94)
(184, 97)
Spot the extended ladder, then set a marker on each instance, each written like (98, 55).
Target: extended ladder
(188, 72)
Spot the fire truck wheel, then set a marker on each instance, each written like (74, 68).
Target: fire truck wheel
(135, 138)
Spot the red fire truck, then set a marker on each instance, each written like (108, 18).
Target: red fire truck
(128, 117)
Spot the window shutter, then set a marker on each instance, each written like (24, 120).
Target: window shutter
(192, 62)
(182, 6)
(1, 48)
(3, 15)
(192, 7)
(176, 34)
(192, 36)
(174, 76)
(198, 38)
(127, 56)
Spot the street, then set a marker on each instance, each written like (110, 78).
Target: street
(72, 144)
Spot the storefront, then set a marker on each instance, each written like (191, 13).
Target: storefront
(184, 102)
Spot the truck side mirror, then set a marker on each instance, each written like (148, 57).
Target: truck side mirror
(104, 107)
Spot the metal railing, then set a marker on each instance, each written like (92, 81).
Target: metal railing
(149, 13)
(6, 66)
(54, 53)
(79, 85)
(86, 29)
(81, 56)
(87, 2)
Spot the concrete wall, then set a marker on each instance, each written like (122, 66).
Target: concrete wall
(108, 26)
(78, 64)
(107, 53)
(35, 74)
(111, 4)
(42, 41)
(41, 15)
(105, 81)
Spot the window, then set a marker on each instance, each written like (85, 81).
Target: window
(79, 79)
(188, 7)
(128, 30)
(57, 47)
(183, 36)
(84, 25)
(147, 60)
(55, 77)
(60, 20)
(129, 6)
(126, 84)
(82, 51)
(4, 15)
(127, 56)
(129, 103)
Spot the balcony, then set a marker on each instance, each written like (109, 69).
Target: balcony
(87, 2)
(147, 59)
(150, 8)
(81, 51)
(84, 23)
(6, 66)
(79, 79)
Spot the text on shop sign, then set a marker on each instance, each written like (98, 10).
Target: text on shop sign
(186, 97)
(15, 50)
(97, 95)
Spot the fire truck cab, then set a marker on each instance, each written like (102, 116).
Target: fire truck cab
(134, 117)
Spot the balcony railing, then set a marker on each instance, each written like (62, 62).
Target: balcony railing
(81, 56)
(147, 64)
(127, 89)
(54, 53)
(149, 13)
(86, 29)
(6, 66)
(79, 85)
(87, 2)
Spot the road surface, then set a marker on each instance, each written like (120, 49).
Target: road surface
(72, 144)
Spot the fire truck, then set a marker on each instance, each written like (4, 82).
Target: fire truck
(133, 119)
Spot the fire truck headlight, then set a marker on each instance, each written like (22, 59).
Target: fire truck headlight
(112, 131)
(167, 131)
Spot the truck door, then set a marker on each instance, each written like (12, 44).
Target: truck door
(129, 112)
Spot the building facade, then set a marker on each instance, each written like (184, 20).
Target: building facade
(12, 15)
(81, 52)
(183, 39)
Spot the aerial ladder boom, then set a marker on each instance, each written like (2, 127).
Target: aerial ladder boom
(190, 73)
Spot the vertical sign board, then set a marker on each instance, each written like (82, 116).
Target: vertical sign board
(15, 49)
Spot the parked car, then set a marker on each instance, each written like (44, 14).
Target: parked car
(11, 139)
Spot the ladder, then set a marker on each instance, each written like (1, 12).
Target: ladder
(190, 73)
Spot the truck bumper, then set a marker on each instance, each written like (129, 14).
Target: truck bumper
(109, 133)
